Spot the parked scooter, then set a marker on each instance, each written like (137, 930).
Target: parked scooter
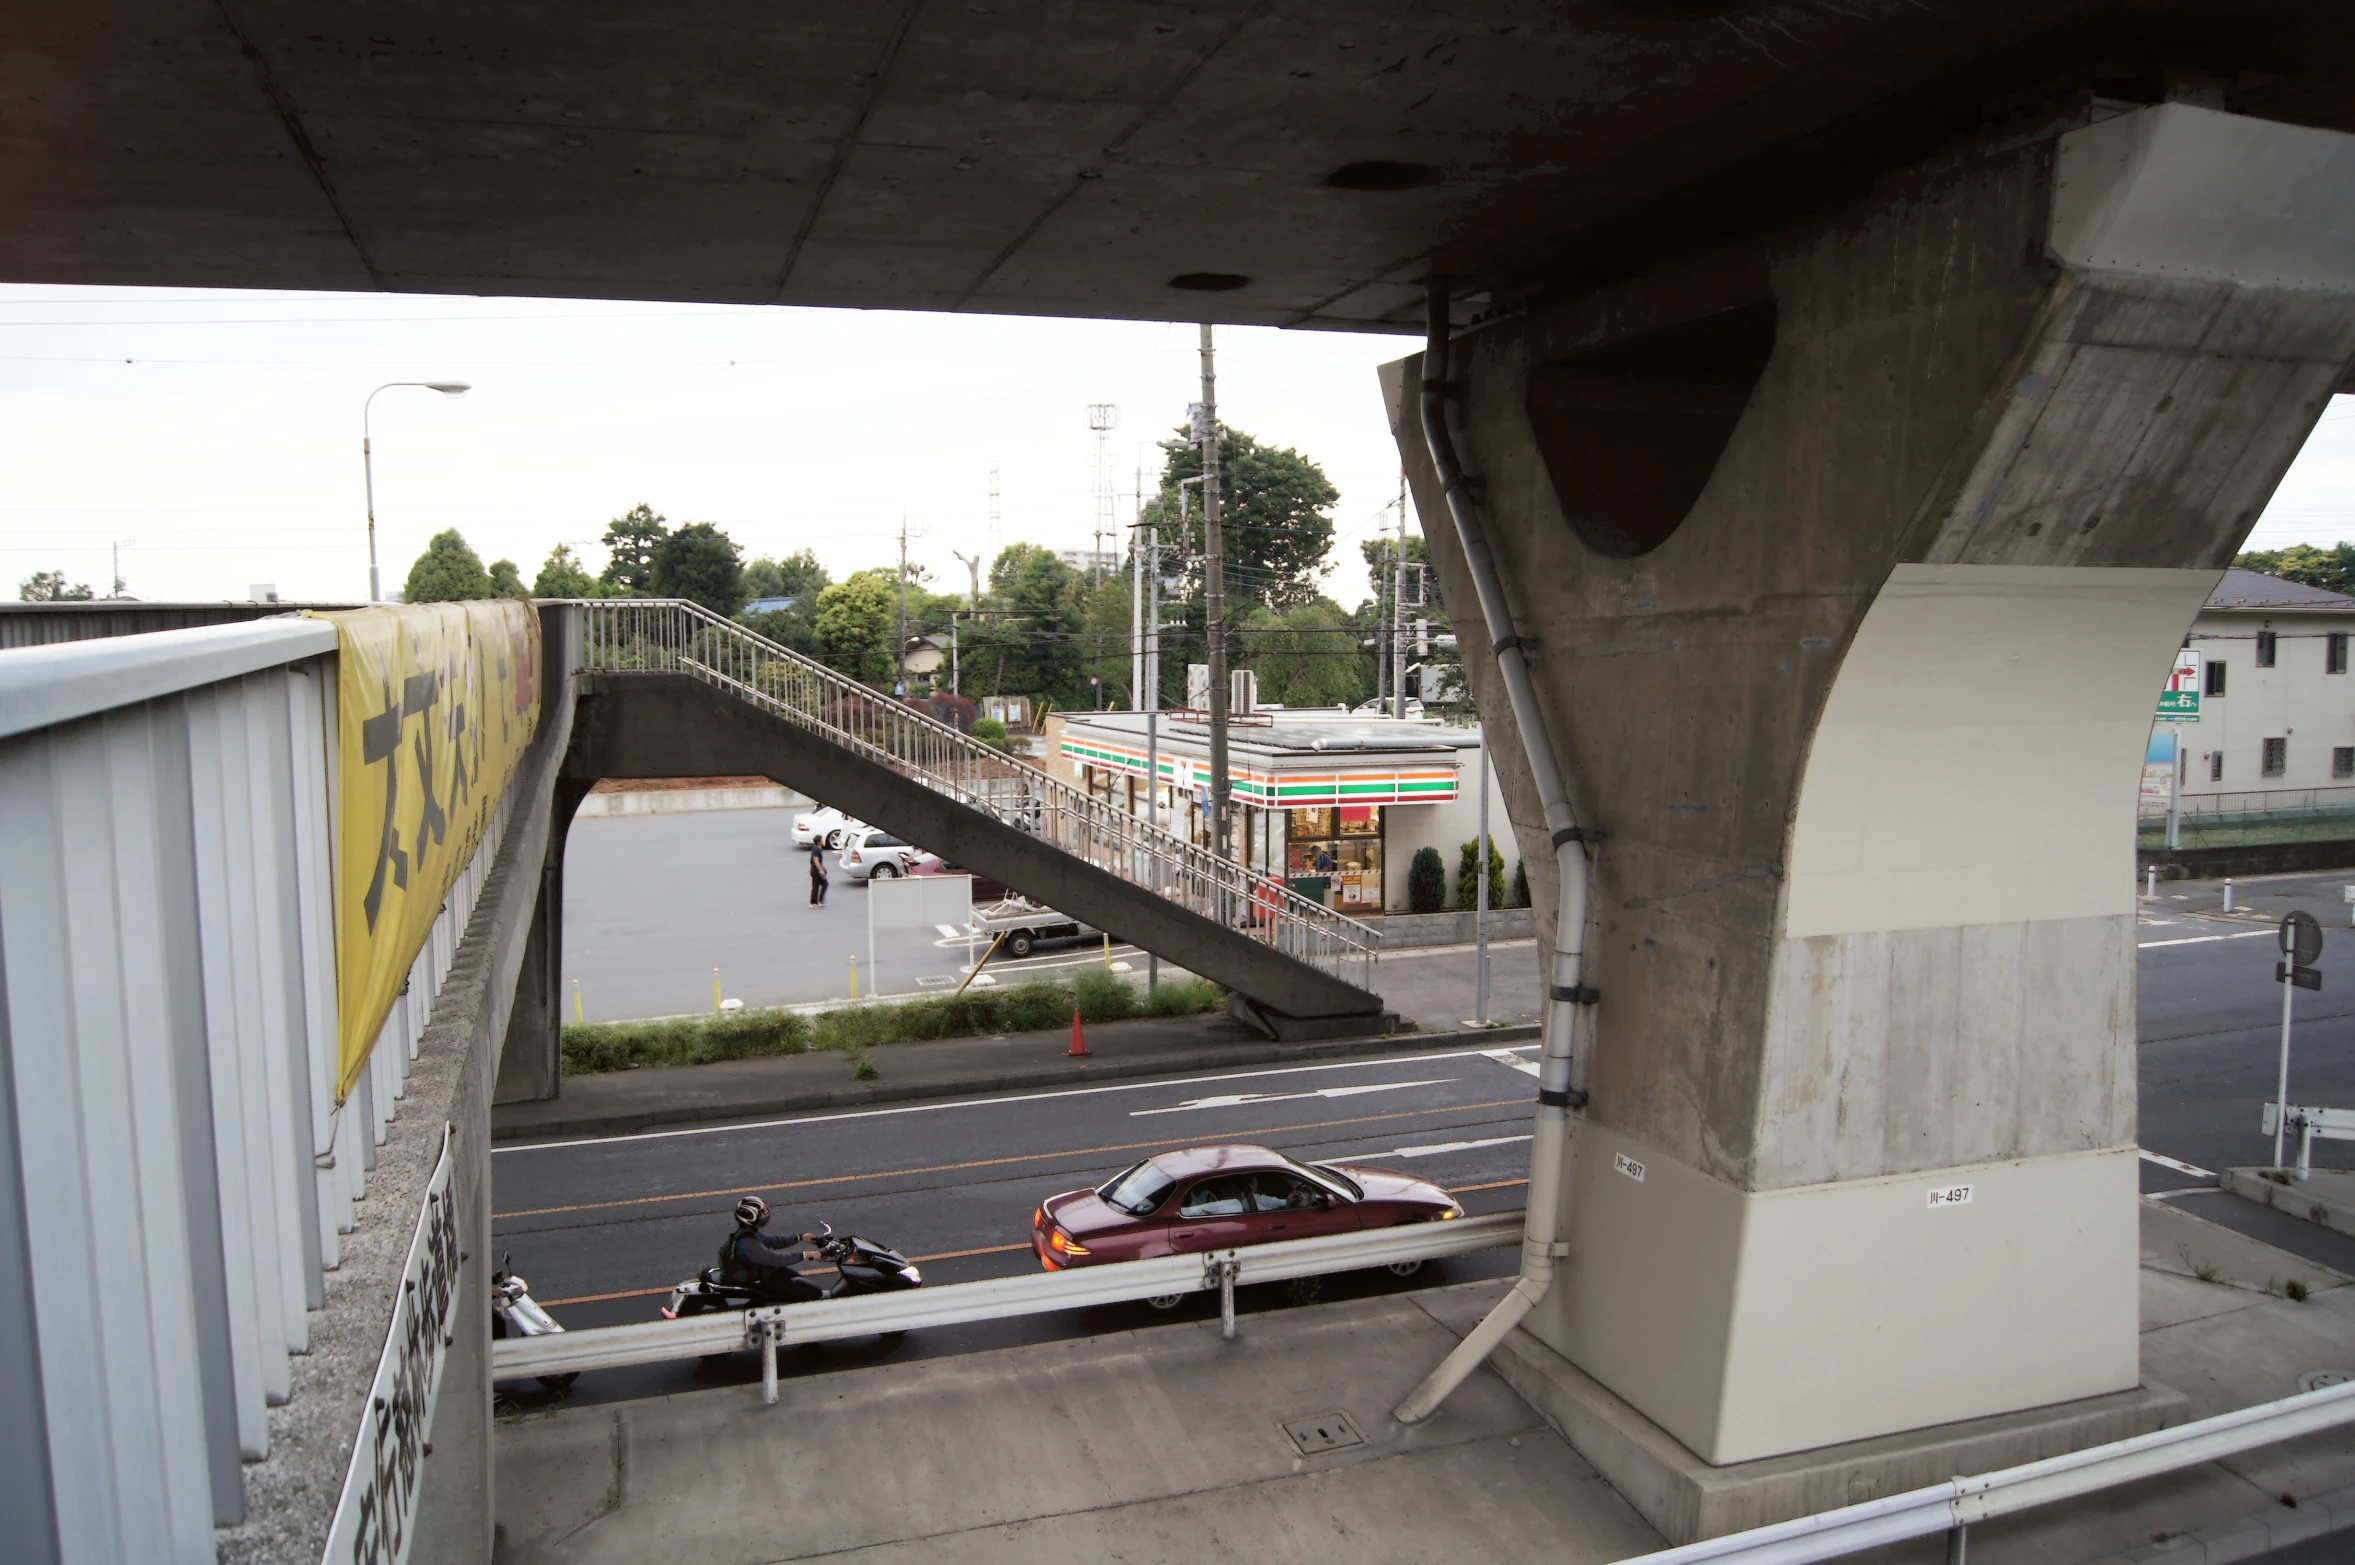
(515, 1313)
(860, 1267)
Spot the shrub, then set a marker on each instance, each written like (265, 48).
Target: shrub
(988, 728)
(1520, 896)
(1426, 882)
(1035, 1005)
(1468, 889)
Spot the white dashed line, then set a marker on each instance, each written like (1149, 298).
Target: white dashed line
(1508, 1057)
(2179, 1167)
(1236, 1100)
(1455, 1146)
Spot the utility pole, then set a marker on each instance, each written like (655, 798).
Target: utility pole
(1136, 606)
(1214, 594)
(1102, 417)
(900, 652)
(953, 654)
(1398, 612)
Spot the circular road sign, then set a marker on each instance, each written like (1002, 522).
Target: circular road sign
(2301, 938)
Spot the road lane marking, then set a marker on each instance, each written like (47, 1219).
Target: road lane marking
(2194, 1170)
(987, 1162)
(1453, 1146)
(1239, 1100)
(1379, 1062)
(2201, 940)
(1508, 1057)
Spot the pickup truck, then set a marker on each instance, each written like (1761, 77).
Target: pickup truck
(1026, 925)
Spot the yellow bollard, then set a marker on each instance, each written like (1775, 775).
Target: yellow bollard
(576, 1001)
(854, 977)
(715, 991)
(1107, 953)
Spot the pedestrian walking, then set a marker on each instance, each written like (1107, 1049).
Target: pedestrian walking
(817, 875)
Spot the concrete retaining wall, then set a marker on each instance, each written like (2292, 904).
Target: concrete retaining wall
(680, 801)
(1405, 931)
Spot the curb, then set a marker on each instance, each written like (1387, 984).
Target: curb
(2305, 1202)
(1097, 1069)
(2248, 1537)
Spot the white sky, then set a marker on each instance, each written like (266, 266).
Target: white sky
(216, 434)
(221, 430)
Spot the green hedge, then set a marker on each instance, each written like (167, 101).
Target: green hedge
(1030, 1006)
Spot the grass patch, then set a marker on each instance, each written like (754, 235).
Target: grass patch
(1030, 1006)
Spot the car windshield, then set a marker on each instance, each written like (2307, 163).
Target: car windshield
(1138, 1191)
(1331, 1178)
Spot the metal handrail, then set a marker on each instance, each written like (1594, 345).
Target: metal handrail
(639, 635)
(824, 1320)
(1953, 1506)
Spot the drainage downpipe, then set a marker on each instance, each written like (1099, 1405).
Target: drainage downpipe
(1541, 1244)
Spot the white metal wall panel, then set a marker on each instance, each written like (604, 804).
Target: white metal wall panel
(169, 1046)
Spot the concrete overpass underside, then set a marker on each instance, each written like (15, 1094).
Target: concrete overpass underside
(1860, 399)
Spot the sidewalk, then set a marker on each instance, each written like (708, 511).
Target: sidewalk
(620, 1101)
(1165, 1444)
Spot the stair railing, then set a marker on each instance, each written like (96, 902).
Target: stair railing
(657, 635)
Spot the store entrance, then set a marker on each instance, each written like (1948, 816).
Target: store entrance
(1334, 856)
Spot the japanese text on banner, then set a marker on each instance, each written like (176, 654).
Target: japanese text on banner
(437, 702)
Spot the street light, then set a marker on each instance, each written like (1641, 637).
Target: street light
(448, 388)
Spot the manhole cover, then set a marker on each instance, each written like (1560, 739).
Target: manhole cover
(2316, 1379)
(1324, 1432)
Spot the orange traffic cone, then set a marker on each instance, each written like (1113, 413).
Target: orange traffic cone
(1079, 1039)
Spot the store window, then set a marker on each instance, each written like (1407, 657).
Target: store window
(1334, 856)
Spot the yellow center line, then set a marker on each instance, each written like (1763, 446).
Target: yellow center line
(945, 1255)
(987, 1162)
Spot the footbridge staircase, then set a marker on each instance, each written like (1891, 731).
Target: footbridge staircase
(668, 689)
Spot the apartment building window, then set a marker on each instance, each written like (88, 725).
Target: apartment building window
(2342, 761)
(2214, 669)
(2266, 647)
(2277, 757)
(2215, 766)
(2334, 652)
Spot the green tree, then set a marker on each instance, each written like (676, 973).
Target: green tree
(2331, 569)
(1275, 515)
(447, 572)
(1467, 888)
(1306, 656)
(1520, 894)
(855, 626)
(1035, 645)
(793, 576)
(702, 564)
(50, 587)
(563, 576)
(633, 537)
(506, 580)
(1426, 882)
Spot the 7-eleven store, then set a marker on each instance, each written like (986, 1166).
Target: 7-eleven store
(1333, 802)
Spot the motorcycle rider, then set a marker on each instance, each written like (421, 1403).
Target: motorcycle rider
(750, 1258)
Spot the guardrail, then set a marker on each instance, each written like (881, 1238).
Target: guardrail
(1953, 1506)
(959, 1304)
(641, 635)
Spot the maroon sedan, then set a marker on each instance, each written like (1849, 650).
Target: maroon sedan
(1216, 1198)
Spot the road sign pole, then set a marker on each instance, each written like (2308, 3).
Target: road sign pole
(2281, 1092)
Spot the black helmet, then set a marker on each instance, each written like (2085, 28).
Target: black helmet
(751, 1212)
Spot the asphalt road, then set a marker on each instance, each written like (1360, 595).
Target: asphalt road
(601, 1229)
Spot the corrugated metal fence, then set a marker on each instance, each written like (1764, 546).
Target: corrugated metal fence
(174, 1172)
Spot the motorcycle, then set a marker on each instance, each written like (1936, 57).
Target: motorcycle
(860, 1266)
(515, 1313)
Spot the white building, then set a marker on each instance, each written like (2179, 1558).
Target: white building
(2274, 725)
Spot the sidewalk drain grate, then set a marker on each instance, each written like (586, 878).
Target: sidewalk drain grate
(1324, 1432)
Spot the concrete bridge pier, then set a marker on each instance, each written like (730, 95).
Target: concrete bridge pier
(1855, 554)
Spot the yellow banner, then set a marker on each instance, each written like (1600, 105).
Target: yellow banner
(437, 702)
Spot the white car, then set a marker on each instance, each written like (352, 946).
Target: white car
(826, 826)
(871, 853)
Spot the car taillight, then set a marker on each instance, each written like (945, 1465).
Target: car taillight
(1064, 1243)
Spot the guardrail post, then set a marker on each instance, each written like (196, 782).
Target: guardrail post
(1958, 1539)
(1223, 1271)
(769, 1333)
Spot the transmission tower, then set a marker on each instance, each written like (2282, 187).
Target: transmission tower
(989, 550)
(1103, 417)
